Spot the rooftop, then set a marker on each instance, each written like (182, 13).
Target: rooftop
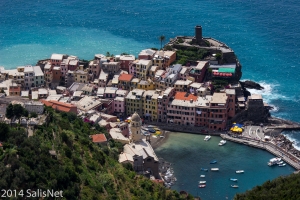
(219, 98)
(255, 96)
(125, 77)
(98, 138)
(57, 56)
(185, 96)
(127, 57)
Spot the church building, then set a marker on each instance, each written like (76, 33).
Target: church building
(139, 152)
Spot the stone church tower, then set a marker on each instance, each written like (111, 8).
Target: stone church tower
(135, 128)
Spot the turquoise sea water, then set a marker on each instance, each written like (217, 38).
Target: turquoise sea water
(264, 35)
(189, 153)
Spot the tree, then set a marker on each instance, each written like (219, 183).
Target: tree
(107, 54)
(162, 38)
(4, 129)
(18, 110)
(10, 111)
(33, 115)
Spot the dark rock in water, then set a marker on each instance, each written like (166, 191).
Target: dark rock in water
(251, 85)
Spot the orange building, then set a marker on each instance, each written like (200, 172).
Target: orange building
(60, 106)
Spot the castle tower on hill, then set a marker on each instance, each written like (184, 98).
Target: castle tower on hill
(198, 33)
(136, 127)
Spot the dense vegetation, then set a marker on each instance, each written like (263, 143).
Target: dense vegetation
(183, 56)
(278, 189)
(81, 169)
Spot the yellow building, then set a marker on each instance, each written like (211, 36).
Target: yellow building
(134, 102)
(134, 83)
(81, 76)
(164, 59)
(146, 85)
(142, 68)
(150, 104)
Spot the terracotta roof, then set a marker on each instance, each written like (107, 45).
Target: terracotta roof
(64, 107)
(182, 96)
(98, 138)
(125, 77)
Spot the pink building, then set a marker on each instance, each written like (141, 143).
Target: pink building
(123, 126)
(64, 67)
(162, 104)
(231, 102)
(181, 110)
(56, 59)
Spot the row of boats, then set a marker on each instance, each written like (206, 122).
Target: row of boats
(221, 143)
(202, 183)
(276, 161)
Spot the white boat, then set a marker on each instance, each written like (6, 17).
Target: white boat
(279, 163)
(202, 176)
(214, 169)
(207, 137)
(274, 161)
(234, 186)
(282, 165)
(202, 186)
(222, 142)
(233, 179)
(239, 171)
(202, 182)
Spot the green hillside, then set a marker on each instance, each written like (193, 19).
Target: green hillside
(81, 169)
(286, 188)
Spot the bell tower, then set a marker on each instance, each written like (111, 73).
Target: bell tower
(135, 128)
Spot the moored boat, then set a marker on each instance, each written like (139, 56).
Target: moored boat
(234, 186)
(279, 163)
(282, 165)
(202, 176)
(213, 162)
(207, 137)
(202, 182)
(214, 169)
(202, 186)
(203, 169)
(222, 142)
(233, 179)
(239, 171)
(274, 161)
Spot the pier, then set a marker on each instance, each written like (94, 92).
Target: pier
(268, 146)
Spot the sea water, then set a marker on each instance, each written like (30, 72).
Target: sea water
(188, 153)
(264, 35)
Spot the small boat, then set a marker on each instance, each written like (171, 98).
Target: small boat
(274, 161)
(207, 137)
(234, 186)
(213, 162)
(279, 163)
(222, 142)
(239, 171)
(202, 182)
(214, 169)
(202, 186)
(202, 176)
(203, 169)
(233, 179)
(282, 165)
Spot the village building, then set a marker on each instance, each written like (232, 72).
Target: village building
(63, 107)
(163, 102)
(81, 76)
(149, 100)
(99, 139)
(34, 107)
(33, 77)
(124, 81)
(134, 102)
(181, 110)
(88, 103)
(146, 54)
(139, 152)
(103, 78)
(146, 85)
(199, 71)
(182, 86)
(163, 59)
(125, 61)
